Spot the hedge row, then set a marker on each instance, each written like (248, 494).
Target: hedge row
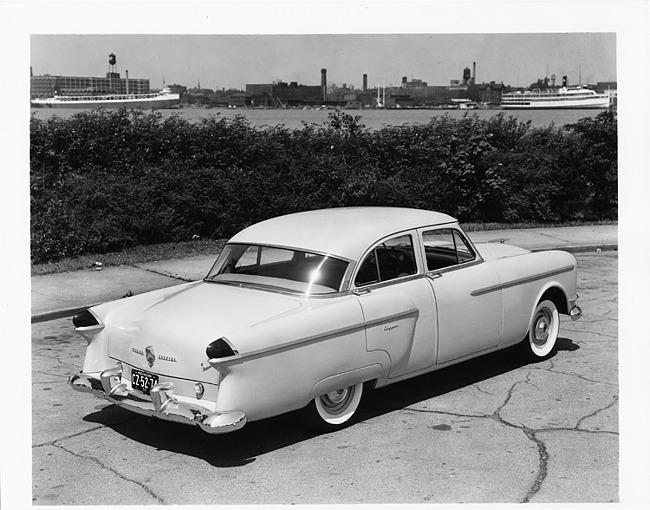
(105, 180)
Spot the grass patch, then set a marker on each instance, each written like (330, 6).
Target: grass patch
(168, 251)
(132, 256)
(484, 227)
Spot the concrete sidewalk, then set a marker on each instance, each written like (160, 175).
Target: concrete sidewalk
(64, 294)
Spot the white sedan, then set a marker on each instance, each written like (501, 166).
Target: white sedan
(304, 311)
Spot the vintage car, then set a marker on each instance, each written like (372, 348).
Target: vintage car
(304, 311)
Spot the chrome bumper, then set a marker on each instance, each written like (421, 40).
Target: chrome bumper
(161, 403)
(575, 313)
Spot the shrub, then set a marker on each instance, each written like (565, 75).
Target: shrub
(109, 180)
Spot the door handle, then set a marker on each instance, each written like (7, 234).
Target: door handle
(433, 276)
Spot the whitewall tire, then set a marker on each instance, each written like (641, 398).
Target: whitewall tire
(335, 409)
(544, 329)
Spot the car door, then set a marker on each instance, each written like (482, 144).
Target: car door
(398, 304)
(468, 321)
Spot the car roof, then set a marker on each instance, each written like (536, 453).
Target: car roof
(345, 232)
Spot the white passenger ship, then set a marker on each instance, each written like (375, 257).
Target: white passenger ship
(163, 99)
(562, 98)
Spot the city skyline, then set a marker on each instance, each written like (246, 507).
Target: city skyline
(232, 61)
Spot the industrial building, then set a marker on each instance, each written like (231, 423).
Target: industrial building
(281, 94)
(47, 86)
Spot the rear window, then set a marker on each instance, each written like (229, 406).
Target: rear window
(279, 268)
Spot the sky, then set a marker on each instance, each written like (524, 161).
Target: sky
(232, 61)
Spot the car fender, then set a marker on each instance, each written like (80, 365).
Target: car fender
(349, 378)
(524, 281)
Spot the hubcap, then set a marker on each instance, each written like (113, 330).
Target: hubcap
(337, 401)
(338, 396)
(542, 328)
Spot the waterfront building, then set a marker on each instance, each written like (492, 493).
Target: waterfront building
(281, 94)
(490, 93)
(415, 83)
(178, 89)
(46, 85)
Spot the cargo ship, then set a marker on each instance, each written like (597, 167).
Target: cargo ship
(562, 98)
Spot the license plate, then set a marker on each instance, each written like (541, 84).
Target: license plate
(143, 381)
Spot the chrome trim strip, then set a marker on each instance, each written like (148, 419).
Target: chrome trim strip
(310, 339)
(521, 281)
(392, 318)
(288, 345)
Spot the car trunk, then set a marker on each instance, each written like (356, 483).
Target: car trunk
(493, 251)
(169, 335)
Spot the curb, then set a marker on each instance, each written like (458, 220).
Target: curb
(69, 312)
(59, 314)
(585, 248)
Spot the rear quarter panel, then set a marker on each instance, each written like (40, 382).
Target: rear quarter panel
(298, 356)
(524, 280)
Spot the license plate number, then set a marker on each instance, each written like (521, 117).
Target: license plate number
(143, 381)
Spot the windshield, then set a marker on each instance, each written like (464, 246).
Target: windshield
(286, 269)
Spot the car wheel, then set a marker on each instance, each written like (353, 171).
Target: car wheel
(335, 409)
(543, 331)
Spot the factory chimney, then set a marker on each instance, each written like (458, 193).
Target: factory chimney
(404, 79)
(474, 74)
(126, 72)
(365, 83)
(323, 83)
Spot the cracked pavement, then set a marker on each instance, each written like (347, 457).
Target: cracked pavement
(491, 430)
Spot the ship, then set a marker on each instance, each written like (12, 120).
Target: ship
(560, 98)
(154, 100)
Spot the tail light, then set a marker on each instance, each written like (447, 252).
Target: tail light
(220, 349)
(85, 319)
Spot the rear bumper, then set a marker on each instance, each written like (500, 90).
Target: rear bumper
(575, 311)
(161, 402)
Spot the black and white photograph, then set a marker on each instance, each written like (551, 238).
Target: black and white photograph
(325, 253)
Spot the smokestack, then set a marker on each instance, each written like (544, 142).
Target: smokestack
(404, 78)
(323, 83)
(127, 80)
(365, 83)
(474, 74)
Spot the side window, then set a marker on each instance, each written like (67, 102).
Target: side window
(445, 247)
(391, 259)
(465, 253)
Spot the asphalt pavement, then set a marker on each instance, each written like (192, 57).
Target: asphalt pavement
(64, 294)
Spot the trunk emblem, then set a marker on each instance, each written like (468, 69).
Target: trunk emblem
(150, 355)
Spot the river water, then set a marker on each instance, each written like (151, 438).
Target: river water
(372, 119)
